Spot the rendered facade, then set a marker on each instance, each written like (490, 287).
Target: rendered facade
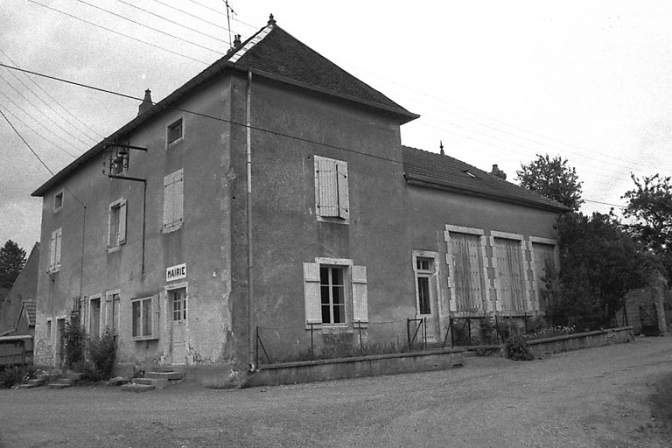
(270, 198)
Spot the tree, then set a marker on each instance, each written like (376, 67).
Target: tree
(12, 260)
(600, 263)
(552, 178)
(650, 204)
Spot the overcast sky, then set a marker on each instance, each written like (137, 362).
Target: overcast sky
(497, 81)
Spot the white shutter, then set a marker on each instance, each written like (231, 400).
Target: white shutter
(52, 251)
(178, 197)
(359, 295)
(155, 316)
(167, 200)
(343, 195)
(311, 292)
(121, 229)
(327, 187)
(59, 243)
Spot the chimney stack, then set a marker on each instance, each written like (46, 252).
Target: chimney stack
(146, 102)
(497, 172)
(236, 42)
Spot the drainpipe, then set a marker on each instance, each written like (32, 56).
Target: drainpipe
(250, 264)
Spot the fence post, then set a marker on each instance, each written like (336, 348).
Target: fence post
(312, 352)
(452, 334)
(408, 333)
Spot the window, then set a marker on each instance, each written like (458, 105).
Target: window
(178, 300)
(331, 189)
(48, 336)
(174, 132)
(94, 317)
(145, 318)
(467, 269)
(510, 272)
(332, 294)
(58, 201)
(117, 225)
(55, 250)
(335, 292)
(544, 254)
(112, 312)
(173, 199)
(424, 273)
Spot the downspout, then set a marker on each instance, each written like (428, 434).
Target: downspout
(250, 264)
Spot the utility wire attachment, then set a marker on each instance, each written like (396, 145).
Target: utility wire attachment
(228, 19)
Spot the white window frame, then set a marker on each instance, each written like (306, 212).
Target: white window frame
(332, 190)
(59, 207)
(433, 275)
(153, 320)
(114, 244)
(173, 205)
(55, 250)
(171, 126)
(451, 270)
(355, 291)
(527, 304)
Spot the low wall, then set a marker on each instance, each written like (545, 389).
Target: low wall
(376, 365)
(599, 338)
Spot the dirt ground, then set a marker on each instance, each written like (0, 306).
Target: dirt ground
(588, 398)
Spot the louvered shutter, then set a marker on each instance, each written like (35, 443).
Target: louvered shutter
(59, 243)
(121, 232)
(52, 251)
(327, 190)
(311, 291)
(359, 295)
(343, 195)
(168, 202)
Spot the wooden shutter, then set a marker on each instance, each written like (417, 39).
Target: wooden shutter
(173, 199)
(168, 203)
(343, 195)
(510, 274)
(178, 197)
(52, 251)
(543, 253)
(359, 295)
(467, 271)
(327, 187)
(155, 316)
(121, 229)
(57, 252)
(311, 292)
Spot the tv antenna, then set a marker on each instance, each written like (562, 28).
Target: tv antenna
(229, 10)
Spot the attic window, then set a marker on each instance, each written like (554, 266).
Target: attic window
(174, 132)
(468, 173)
(58, 201)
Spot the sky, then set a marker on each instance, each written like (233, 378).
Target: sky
(497, 82)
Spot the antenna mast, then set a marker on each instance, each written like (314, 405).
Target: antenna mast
(228, 19)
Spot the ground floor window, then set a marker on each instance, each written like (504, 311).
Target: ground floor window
(424, 272)
(332, 294)
(144, 323)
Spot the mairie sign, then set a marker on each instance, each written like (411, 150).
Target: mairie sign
(176, 272)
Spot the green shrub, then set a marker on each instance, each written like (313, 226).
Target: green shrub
(102, 356)
(74, 345)
(516, 348)
(11, 376)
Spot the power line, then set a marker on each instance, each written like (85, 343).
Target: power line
(118, 33)
(45, 103)
(26, 143)
(149, 27)
(191, 15)
(174, 22)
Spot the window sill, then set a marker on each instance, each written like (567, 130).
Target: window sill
(174, 143)
(332, 220)
(144, 338)
(113, 249)
(171, 228)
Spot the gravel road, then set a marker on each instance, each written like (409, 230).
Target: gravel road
(588, 398)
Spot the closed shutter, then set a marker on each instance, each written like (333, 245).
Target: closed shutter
(359, 295)
(52, 251)
(178, 191)
(543, 254)
(343, 194)
(311, 291)
(510, 274)
(121, 233)
(173, 200)
(467, 271)
(327, 187)
(155, 316)
(168, 203)
(57, 252)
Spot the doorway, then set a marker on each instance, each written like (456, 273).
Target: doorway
(177, 302)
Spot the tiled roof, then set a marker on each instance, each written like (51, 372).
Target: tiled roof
(285, 58)
(444, 172)
(272, 53)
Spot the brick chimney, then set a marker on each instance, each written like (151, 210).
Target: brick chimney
(497, 172)
(146, 102)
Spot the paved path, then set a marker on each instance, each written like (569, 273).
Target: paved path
(589, 398)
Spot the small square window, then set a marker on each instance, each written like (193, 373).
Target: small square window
(175, 132)
(58, 201)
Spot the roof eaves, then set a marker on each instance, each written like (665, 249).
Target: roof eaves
(429, 182)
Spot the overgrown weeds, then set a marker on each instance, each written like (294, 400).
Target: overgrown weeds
(516, 348)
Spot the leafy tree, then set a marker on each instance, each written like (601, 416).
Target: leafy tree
(650, 206)
(552, 178)
(12, 260)
(600, 263)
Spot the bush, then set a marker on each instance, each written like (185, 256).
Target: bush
(516, 348)
(74, 345)
(102, 356)
(11, 376)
